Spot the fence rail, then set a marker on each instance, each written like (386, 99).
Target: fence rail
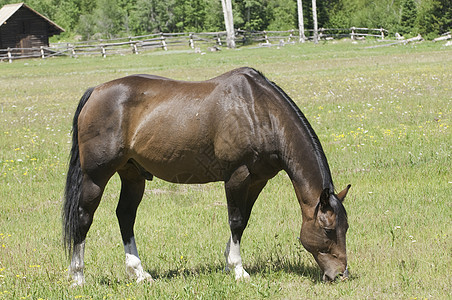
(181, 40)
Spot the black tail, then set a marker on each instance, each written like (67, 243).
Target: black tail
(72, 193)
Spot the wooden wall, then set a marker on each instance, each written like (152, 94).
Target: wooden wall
(24, 29)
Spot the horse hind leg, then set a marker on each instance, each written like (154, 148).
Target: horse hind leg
(91, 193)
(75, 270)
(132, 189)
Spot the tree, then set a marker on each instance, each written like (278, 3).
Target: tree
(251, 14)
(281, 14)
(341, 14)
(434, 17)
(314, 18)
(189, 15)
(108, 18)
(67, 15)
(86, 26)
(214, 20)
(408, 16)
(301, 21)
(153, 16)
(229, 23)
(126, 7)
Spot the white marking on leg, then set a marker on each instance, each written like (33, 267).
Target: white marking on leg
(133, 263)
(75, 270)
(234, 260)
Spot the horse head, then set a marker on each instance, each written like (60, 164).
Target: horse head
(324, 235)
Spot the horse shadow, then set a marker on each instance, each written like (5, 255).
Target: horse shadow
(304, 271)
(259, 266)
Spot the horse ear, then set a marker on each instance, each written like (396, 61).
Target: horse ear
(325, 198)
(343, 193)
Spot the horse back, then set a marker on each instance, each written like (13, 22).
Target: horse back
(176, 127)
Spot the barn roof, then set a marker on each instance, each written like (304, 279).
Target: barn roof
(10, 9)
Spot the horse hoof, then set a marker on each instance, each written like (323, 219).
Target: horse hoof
(146, 277)
(243, 276)
(77, 282)
(76, 278)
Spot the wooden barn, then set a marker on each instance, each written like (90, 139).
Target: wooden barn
(23, 27)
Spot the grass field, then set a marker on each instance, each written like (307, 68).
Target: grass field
(383, 116)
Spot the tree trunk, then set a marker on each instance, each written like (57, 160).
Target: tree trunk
(229, 23)
(314, 16)
(300, 21)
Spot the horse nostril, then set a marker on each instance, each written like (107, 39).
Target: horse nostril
(326, 278)
(339, 276)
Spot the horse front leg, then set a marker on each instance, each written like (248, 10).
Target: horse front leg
(241, 192)
(132, 189)
(133, 263)
(234, 259)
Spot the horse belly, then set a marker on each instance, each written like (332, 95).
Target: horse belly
(176, 153)
(186, 167)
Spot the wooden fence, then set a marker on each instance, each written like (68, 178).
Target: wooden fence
(195, 41)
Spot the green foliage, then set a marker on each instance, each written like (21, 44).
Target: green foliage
(152, 16)
(190, 15)
(85, 26)
(67, 15)
(214, 19)
(104, 19)
(434, 17)
(372, 14)
(341, 14)
(408, 16)
(282, 14)
(251, 14)
(108, 18)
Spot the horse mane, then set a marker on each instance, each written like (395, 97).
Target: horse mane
(318, 150)
(335, 203)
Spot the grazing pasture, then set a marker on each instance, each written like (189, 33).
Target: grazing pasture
(383, 116)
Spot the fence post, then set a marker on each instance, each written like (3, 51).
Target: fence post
(290, 35)
(135, 48)
(42, 52)
(104, 52)
(190, 41)
(134, 45)
(218, 39)
(266, 37)
(353, 33)
(72, 48)
(162, 38)
(10, 58)
(382, 33)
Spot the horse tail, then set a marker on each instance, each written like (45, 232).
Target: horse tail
(73, 190)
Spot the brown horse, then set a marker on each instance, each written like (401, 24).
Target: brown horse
(239, 128)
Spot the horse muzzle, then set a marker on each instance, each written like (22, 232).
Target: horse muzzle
(331, 277)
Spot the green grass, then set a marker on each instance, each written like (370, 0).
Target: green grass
(383, 116)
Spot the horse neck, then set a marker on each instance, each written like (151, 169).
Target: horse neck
(304, 161)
